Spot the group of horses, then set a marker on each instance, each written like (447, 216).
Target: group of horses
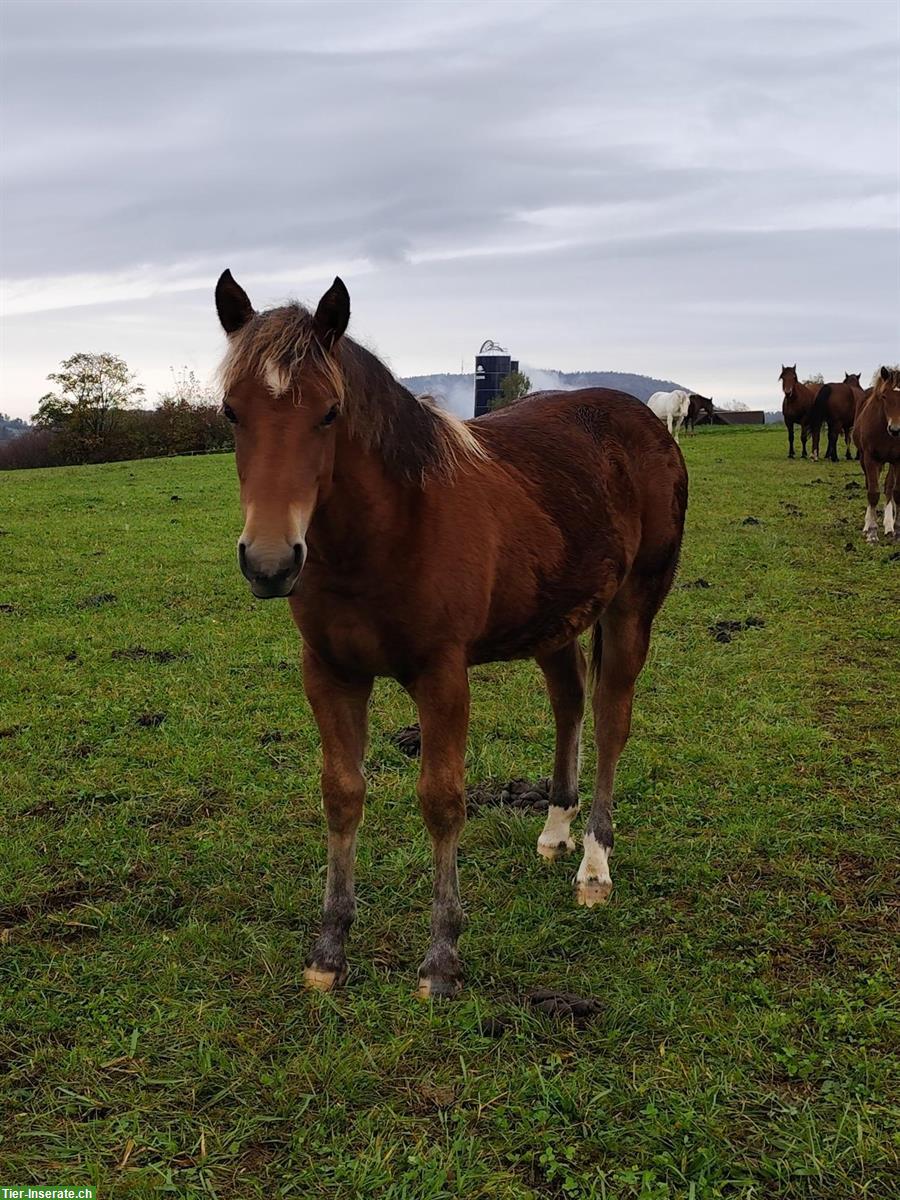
(393, 528)
(681, 408)
(869, 416)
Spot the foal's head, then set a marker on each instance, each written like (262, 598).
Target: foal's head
(887, 390)
(283, 390)
(788, 379)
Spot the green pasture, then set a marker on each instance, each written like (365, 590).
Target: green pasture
(163, 863)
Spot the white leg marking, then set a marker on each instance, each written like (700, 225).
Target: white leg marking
(889, 516)
(593, 883)
(555, 839)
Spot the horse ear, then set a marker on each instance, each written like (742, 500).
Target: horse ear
(232, 303)
(885, 373)
(333, 314)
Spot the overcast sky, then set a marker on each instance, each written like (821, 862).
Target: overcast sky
(689, 190)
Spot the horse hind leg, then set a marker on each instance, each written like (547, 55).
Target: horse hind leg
(625, 640)
(564, 671)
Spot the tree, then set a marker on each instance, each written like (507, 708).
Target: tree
(814, 380)
(92, 388)
(514, 387)
(187, 417)
(187, 389)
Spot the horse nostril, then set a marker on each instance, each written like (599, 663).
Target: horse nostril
(299, 554)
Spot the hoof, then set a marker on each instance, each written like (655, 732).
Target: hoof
(591, 892)
(435, 988)
(317, 979)
(553, 851)
(872, 537)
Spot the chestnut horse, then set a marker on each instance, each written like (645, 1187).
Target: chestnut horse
(797, 408)
(835, 406)
(395, 529)
(877, 436)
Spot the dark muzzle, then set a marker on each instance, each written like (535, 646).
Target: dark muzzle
(270, 583)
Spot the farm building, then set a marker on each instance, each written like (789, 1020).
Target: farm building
(492, 365)
(723, 416)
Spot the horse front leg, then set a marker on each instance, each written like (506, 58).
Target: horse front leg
(804, 436)
(442, 698)
(340, 708)
(790, 433)
(891, 499)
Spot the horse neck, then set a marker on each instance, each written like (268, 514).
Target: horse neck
(365, 511)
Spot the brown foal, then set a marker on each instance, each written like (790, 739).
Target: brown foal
(394, 530)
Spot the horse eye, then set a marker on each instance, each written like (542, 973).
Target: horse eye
(330, 416)
(230, 414)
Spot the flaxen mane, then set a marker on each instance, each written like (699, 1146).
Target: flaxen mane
(416, 438)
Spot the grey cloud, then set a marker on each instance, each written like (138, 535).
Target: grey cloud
(744, 154)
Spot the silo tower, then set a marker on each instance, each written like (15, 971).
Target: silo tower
(492, 365)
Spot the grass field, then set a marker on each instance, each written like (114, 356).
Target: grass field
(163, 864)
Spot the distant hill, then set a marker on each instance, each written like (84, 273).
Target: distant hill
(458, 391)
(11, 427)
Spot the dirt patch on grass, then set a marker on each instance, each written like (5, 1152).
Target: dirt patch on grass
(58, 899)
(149, 720)
(724, 631)
(55, 914)
(141, 654)
(180, 814)
(97, 601)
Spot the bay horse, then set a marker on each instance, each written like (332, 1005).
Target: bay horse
(876, 433)
(671, 407)
(835, 406)
(394, 530)
(797, 409)
(700, 408)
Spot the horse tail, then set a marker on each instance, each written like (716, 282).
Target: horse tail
(819, 409)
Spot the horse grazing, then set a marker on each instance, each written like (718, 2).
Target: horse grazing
(700, 408)
(671, 407)
(876, 433)
(835, 406)
(394, 529)
(797, 409)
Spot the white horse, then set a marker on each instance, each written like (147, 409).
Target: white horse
(671, 407)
